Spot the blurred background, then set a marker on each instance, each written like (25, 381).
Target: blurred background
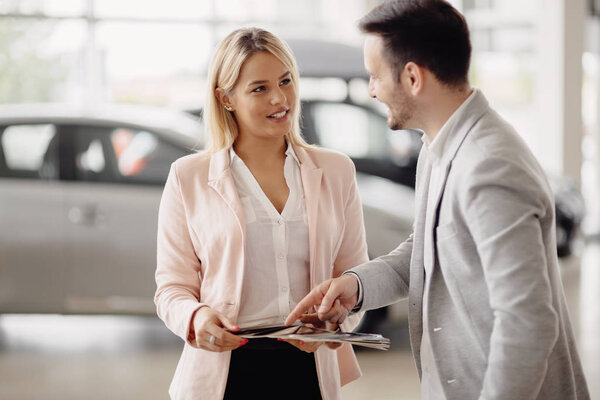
(98, 97)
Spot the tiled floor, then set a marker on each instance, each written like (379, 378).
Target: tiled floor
(103, 357)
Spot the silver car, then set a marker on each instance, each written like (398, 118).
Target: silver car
(79, 197)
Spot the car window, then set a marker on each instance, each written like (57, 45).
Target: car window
(123, 155)
(29, 151)
(355, 131)
(142, 156)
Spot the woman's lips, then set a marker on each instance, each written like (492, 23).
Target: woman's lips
(279, 116)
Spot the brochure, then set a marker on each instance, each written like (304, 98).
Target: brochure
(308, 333)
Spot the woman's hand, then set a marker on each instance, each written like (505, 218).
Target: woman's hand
(208, 331)
(311, 347)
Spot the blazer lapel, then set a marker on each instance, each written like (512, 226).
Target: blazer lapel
(221, 180)
(417, 270)
(474, 112)
(311, 183)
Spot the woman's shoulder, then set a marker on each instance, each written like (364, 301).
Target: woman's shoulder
(192, 164)
(336, 166)
(326, 158)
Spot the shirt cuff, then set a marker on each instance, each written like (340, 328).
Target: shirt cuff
(358, 305)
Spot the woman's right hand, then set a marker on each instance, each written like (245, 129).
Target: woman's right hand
(207, 323)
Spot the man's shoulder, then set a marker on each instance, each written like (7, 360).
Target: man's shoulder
(493, 152)
(492, 137)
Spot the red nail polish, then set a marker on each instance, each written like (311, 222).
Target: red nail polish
(302, 343)
(280, 339)
(243, 342)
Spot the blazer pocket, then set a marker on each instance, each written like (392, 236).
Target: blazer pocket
(445, 231)
(249, 213)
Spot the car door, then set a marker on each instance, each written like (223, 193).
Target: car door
(32, 235)
(117, 181)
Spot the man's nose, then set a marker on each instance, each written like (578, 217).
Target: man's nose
(371, 89)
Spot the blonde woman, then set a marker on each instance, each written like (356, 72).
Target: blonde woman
(248, 227)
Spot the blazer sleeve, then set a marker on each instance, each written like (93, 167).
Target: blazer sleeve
(504, 205)
(353, 247)
(177, 265)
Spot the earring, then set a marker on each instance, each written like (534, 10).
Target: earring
(228, 108)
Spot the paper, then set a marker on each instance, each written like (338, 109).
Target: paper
(311, 334)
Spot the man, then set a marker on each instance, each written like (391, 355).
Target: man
(487, 314)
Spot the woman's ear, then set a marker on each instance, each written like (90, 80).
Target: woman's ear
(224, 99)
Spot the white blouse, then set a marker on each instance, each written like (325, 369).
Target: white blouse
(276, 275)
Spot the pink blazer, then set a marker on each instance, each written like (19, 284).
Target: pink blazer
(200, 259)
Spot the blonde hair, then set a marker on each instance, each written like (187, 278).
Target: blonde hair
(224, 72)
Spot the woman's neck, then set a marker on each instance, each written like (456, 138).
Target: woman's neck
(258, 151)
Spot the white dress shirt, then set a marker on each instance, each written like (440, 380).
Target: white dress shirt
(431, 388)
(277, 273)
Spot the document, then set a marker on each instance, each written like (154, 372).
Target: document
(308, 333)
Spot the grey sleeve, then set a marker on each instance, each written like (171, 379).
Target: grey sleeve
(384, 280)
(505, 205)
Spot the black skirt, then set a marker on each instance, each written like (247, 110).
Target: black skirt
(270, 369)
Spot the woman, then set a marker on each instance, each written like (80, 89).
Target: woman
(248, 227)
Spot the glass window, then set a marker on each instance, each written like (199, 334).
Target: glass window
(355, 131)
(90, 151)
(40, 60)
(29, 151)
(141, 156)
(92, 159)
(46, 7)
(154, 63)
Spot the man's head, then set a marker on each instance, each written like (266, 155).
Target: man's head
(407, 40)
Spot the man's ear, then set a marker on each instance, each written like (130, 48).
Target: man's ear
(224, 99)
(413, 78)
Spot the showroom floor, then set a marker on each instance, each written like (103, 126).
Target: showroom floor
(115, 357)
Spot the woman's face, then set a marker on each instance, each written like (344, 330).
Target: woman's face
(264, 97)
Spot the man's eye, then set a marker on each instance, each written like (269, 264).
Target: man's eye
(286, 81)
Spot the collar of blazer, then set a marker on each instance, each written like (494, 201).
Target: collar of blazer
(470, 115)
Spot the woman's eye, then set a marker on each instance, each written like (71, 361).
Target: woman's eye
(285, 82)
(258, 89)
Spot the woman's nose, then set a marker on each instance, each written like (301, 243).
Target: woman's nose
(278, 97)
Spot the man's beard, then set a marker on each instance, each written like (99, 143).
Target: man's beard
(400, 114)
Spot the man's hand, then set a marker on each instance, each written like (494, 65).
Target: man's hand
(335, 298)
(313, 321)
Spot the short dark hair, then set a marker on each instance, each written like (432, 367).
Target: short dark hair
(430, 33)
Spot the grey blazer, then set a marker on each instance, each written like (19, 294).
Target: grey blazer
(499, 322)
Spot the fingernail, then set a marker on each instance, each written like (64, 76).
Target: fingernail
(302, 343)
(280, 339)
(235, 327)
(243, 342)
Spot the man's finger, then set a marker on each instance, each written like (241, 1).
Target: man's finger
(310, 300)
(329, 297)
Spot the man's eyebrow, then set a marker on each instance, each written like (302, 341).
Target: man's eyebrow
(264, 81)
